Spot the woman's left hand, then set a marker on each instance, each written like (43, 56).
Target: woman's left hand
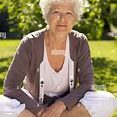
(55, 110)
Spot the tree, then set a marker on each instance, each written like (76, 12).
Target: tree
(113, 14)
(25, 16)
(3, 18)
(96, 19)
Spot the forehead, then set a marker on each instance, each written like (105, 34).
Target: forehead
(62, 6)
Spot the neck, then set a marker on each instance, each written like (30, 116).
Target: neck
(57, 39)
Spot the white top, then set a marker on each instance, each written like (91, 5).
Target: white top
(56, 83)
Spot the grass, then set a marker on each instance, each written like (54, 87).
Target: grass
(104, 49)
(7, 48)
(104, 56)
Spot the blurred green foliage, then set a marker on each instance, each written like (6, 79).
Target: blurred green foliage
(25, 16)
(113, 18)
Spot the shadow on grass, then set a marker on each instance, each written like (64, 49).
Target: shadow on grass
(105, 73)
(4, 64)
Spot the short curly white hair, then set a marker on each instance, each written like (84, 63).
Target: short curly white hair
(45, 6)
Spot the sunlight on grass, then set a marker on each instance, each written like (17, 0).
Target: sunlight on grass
(106, 49)
(8, 47)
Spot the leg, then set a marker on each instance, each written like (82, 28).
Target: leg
(26, 113)
(77, 111)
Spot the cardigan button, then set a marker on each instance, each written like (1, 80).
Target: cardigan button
(78, 69)
(37, 104)
(38, 70)
(71, 81)
(71, 84)
(42, 82)
(18, 87)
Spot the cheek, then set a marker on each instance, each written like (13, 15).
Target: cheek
(52, 21)
(71, 24)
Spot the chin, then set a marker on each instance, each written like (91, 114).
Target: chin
(62, 32)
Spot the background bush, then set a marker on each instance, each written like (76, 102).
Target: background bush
(20, 17)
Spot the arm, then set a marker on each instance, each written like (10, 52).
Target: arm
(85, 75)
(16, 75)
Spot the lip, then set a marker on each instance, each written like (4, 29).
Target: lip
(61, 25)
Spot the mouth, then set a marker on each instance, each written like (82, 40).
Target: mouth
(61, 26)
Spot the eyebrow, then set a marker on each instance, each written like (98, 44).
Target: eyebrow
(59, 10)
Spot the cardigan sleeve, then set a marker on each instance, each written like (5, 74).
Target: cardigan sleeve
(16, 75)
(85, 75)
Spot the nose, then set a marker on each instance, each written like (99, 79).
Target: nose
(62, 17)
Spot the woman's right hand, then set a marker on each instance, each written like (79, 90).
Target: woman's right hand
(55, 110)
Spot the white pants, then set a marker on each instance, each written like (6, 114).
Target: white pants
(98, 104)
(10, 107)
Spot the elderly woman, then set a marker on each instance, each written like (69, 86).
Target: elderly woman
(54, 67)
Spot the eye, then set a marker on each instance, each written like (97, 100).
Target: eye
(69, 13)
(55, 12)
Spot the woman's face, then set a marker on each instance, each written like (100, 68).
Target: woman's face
(61, 18)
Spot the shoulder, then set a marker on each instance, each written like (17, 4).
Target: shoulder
(33, 36)
(32, 39)
(78, 38)
(78, 35)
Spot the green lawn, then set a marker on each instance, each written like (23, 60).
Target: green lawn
(104, 49)
(7, 48)
(104, 57)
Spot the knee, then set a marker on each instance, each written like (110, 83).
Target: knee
(83, 112)
(100, 96)
(100, 103)
(77, 111)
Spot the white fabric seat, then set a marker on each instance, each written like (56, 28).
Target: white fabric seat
(99, 104)
(10, 107)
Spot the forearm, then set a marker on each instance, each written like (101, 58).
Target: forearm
(75, 95)
(22, 97)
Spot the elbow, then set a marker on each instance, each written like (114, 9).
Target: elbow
(9, 91)
(89, 87)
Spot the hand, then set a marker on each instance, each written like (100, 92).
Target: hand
(55, 110)
(40, 112)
